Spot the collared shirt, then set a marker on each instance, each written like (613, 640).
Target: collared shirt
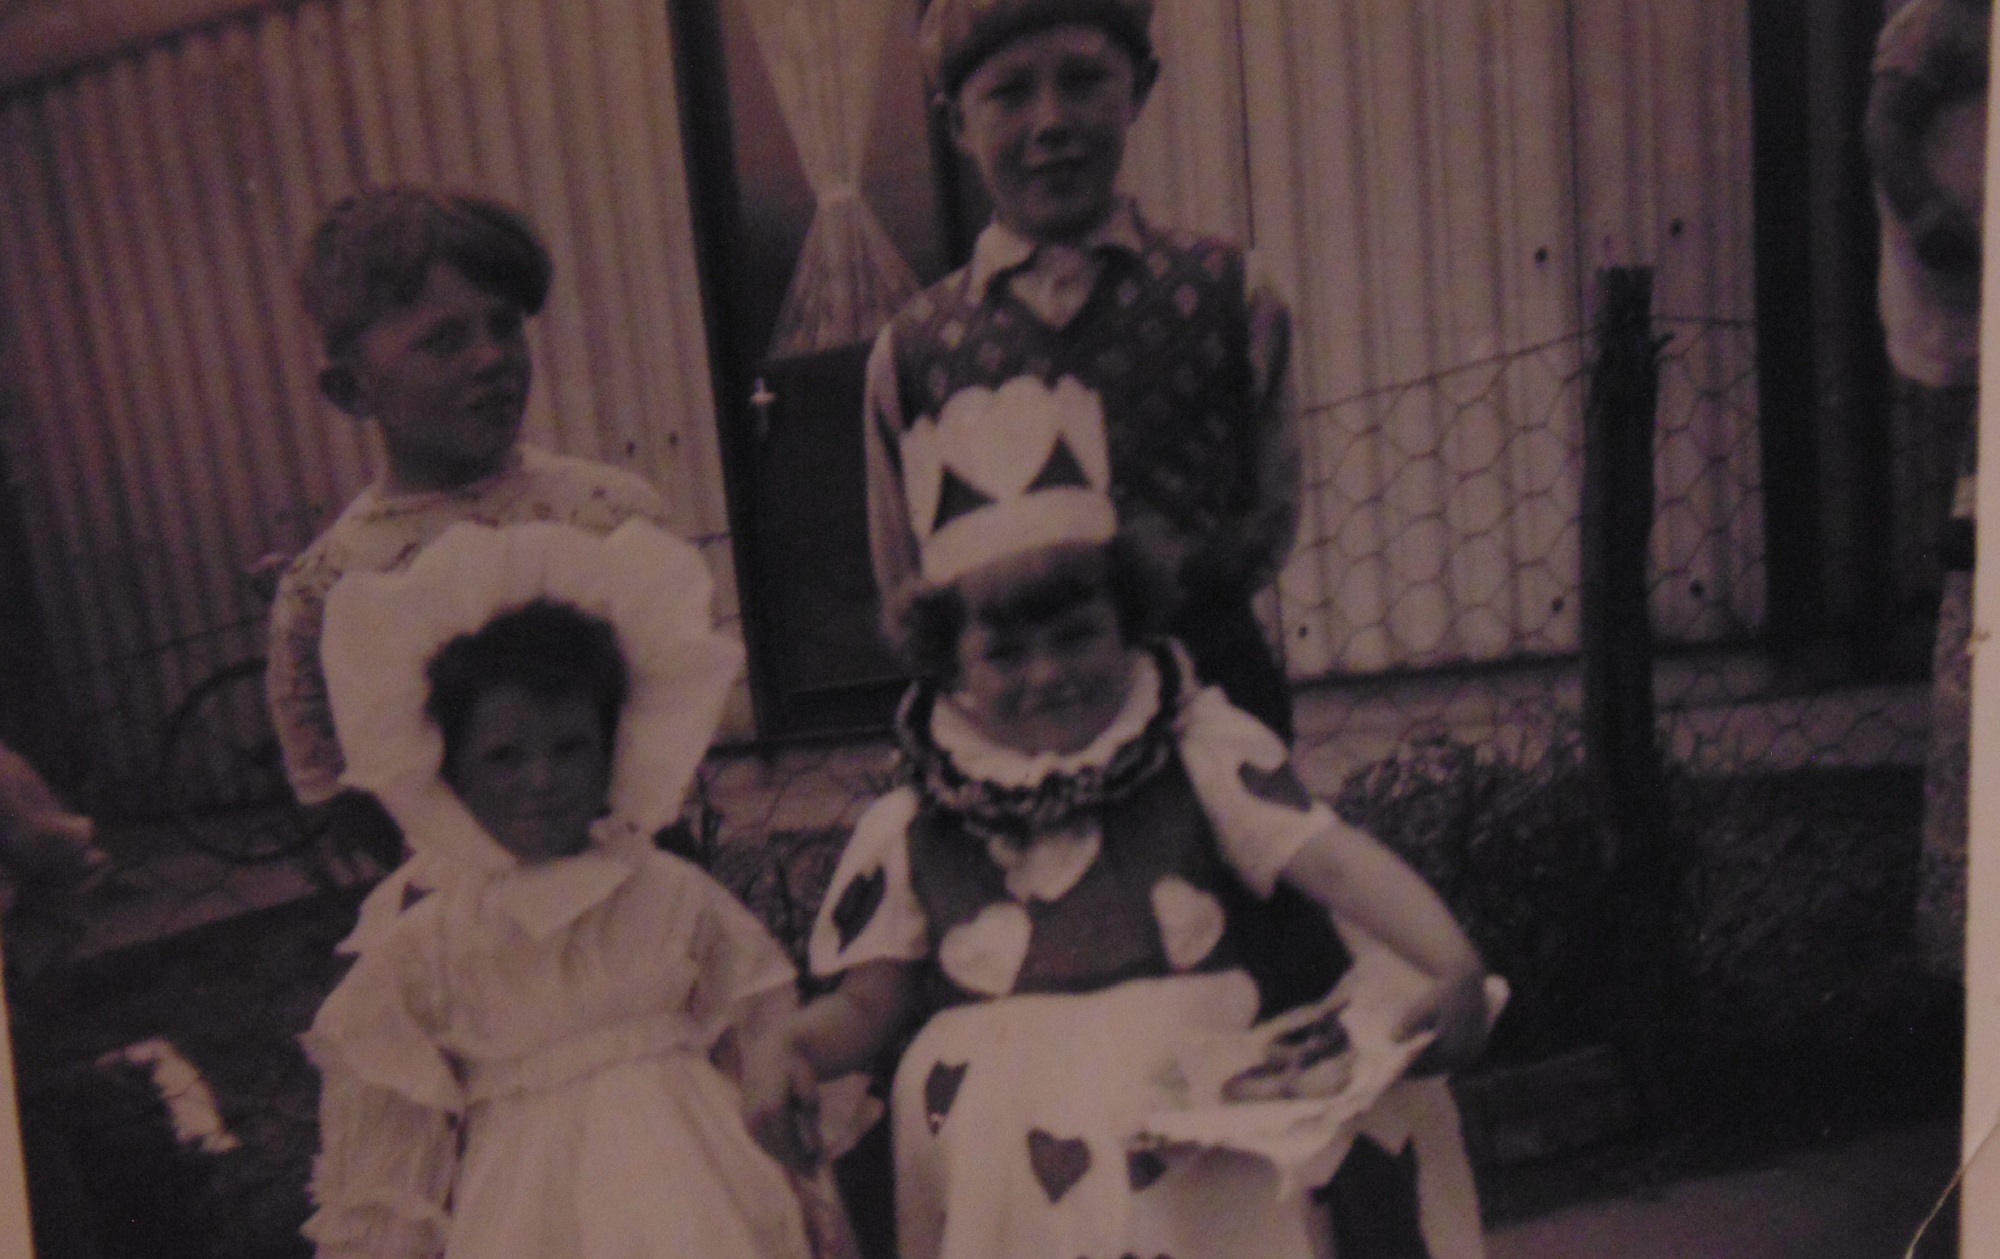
(1054, 280)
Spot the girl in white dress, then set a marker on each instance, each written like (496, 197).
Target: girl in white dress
(1069, 883)
(520, 1062)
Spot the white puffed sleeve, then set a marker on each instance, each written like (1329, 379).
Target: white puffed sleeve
(736, 959)
(389, 1105)
(1243, 776)
(383, 1174)
(871, 912)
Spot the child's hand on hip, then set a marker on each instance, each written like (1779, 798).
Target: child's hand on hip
(781, 1100)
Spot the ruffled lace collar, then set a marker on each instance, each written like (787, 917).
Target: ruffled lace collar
(1011, 795)
(980, 757)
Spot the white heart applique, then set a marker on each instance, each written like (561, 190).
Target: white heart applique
(1191, 922)
(985, 954)
(1050, 865)
(999, 437)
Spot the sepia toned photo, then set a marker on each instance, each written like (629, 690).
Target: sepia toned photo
(995, 629)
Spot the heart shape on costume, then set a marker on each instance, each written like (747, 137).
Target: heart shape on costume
(857, 905)
(1051, 865)
(940, 1091)
(1143, 1167)
(1280, 786)
(985, 954)
(1191, 922)
(1059, 1162)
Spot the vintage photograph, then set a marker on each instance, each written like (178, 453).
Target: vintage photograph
(992, 629)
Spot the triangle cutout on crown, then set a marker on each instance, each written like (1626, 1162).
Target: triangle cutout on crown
(956, 498)
(1062, 469)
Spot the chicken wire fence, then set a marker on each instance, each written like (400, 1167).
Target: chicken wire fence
(1449, 532)
(1437, 587)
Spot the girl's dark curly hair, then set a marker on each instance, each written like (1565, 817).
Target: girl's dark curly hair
(923, 621)
(548, 649)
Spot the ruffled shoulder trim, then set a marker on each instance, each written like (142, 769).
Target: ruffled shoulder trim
(366, 1030)
(871, 912)
(1243, 775)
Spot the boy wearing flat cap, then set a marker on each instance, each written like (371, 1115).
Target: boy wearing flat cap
(1187, 348)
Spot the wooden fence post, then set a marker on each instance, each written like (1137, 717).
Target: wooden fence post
(1621, 759)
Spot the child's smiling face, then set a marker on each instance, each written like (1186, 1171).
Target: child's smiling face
(446, 377)
(534, 769)
(1044, 119)
(1040, 674)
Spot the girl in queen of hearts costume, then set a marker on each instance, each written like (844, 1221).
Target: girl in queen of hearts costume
(520, 1062)
(1068, 884)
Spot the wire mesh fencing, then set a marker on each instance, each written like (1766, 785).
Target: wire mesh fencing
(1447, 666)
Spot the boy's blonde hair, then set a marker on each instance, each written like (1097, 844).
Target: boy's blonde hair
(374, 250)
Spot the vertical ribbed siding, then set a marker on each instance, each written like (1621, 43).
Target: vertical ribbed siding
(160, 375)
(1184, 158)
(1412, 173)
(1439, 180)
(1664, 163)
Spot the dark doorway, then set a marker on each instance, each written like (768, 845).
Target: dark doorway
(813, 227)
(1823, 375)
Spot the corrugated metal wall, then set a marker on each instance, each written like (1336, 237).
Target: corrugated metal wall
(1185, 159)
(1439, 179)
(1424, 148)
(160, 399)
(1663, 159)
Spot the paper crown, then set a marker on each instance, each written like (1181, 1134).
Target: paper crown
(1007, 470)
(956, 35)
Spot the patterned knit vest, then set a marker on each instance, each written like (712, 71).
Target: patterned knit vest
(1163, 338)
